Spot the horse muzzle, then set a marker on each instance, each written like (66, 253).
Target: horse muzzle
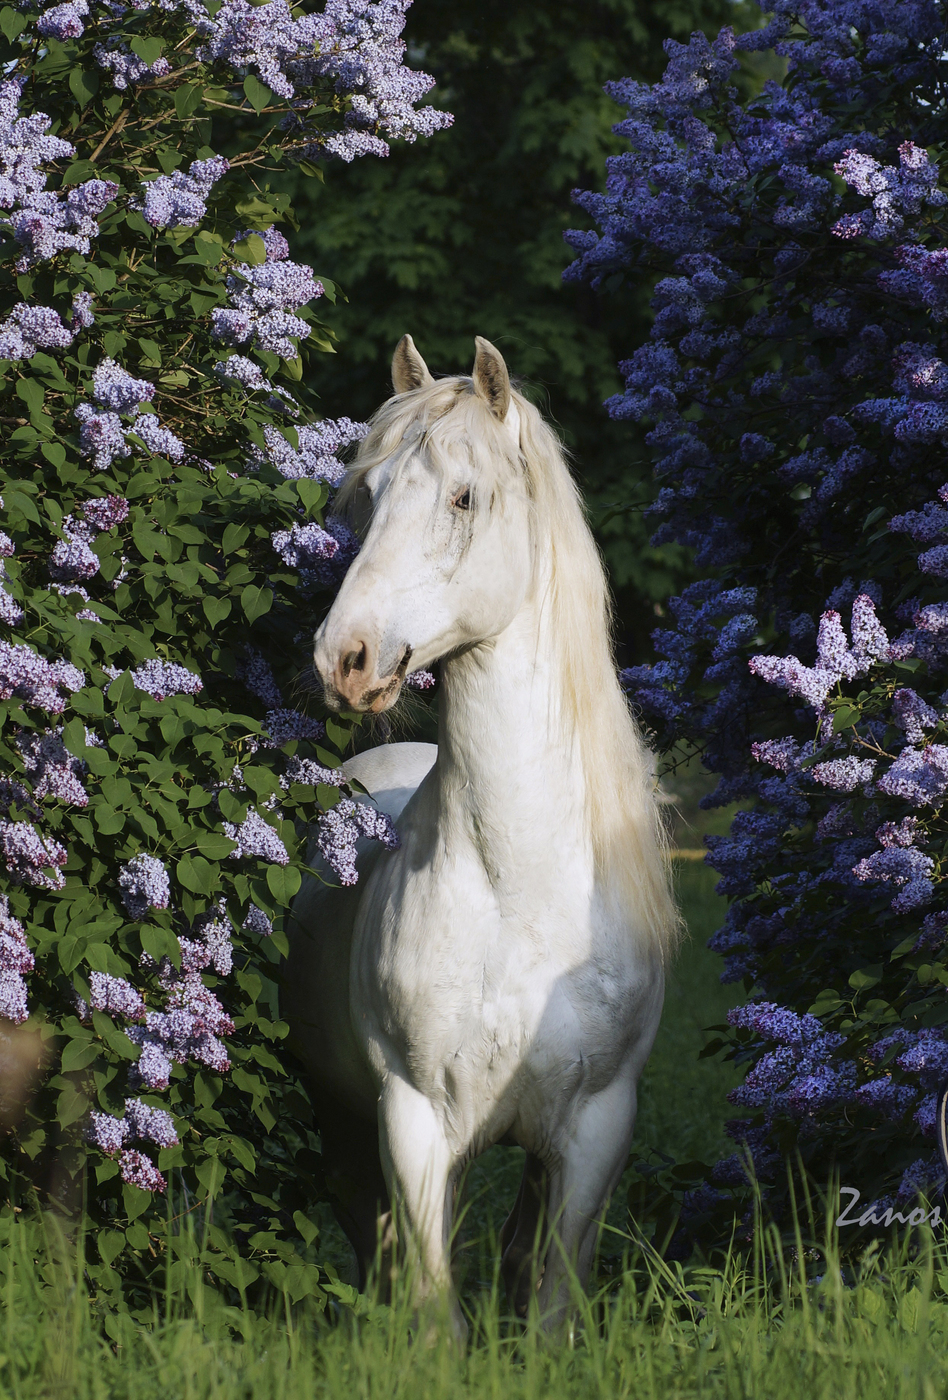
(350, 676)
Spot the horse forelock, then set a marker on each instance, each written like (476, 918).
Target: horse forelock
(624, 820)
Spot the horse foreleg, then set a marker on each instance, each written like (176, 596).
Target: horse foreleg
(580, 1186)
(521, 1235)
(420, 1168)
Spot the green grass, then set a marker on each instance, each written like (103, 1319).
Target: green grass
(758, 1329)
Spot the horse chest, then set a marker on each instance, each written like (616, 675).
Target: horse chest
(491, 1001)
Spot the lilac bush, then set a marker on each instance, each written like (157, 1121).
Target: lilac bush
(795, 386)
(166, 546)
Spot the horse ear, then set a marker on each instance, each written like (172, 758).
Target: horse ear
(409, 370)
(491, 379)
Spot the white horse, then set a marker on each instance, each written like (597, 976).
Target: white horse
(500, 976)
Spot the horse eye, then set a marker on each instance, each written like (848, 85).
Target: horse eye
(462, 501)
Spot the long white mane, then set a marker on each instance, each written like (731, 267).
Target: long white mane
(448, 420)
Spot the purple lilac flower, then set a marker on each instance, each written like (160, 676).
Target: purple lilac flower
(263, 300)
(81, 317)
(127, 68)
(844, 774)
(103, 513)
(117, 390)
(150, 1124)
(895, 191)
(138, 1170)
(16, 961)
(145, 885)
(906, 868)
(255, 837)
(244, 371)
(163, 678)
(31, 328)
(101, 436)
(283, 726)
(51, 768)
(34, 680)
(918, 776)
(339, 829)
(924, 1177)
(307, 772)
(30, 858)
(108, 1134)
(115, 995)
(257, 922)
(162, 441)
(319, 444)
(63, 22)
(912, 715)
(421, 680)
(72, 560)
(257, 676)
(180, 200)
(870, 639)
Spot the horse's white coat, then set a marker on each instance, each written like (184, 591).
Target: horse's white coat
(494, 977)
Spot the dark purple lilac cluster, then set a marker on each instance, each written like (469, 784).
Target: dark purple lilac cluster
(339, 829)
(795, 392)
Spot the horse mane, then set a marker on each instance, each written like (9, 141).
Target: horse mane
(626, 830)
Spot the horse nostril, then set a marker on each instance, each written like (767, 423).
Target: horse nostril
(355, 660)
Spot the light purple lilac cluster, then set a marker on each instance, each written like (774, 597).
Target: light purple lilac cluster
(102, 434)
(16, 961)
(126, 68)
(30, 858)
(180, 200)
(190, 1027)
(44, 223)
(339, 829)
(144, 884)
(317, 456)
(52, 770)
(31, 328)
(162, 679)
(11, 611)
(356, 44)
(264, 299)
(256, 838)
(36, 681)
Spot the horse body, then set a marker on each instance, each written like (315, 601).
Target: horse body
(493, 978)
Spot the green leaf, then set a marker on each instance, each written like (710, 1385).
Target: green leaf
(11, 22)
(196, 874)
(844, 717)
(234, 536)
(232, 809)
(187, 99)
(313, 494)
(148, 50)
(160, 943)
(215, 609)
(31, 392)
(121, 689)
(110, 1244)
(865, 977)
(54, 452)
(83, 85)
(251, 249)
(78, 1054)
(255, 601)
(257, 93)
(284, 882)
(215, 845)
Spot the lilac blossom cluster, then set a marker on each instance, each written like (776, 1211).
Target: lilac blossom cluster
(180, 200)
(255, 837)
(264, 299)
(36, 681)
(102, 434)
(126, 68)
(16, 961)
(144, 884)
(795, 391)
(317, 455)
(355, 44)
(162, 679)
(43, 222)
(339, 829)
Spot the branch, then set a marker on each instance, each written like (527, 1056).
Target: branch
(116, 126)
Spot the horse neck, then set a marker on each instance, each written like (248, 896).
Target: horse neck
(510, 772)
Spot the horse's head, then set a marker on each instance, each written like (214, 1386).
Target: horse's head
(447, 554)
